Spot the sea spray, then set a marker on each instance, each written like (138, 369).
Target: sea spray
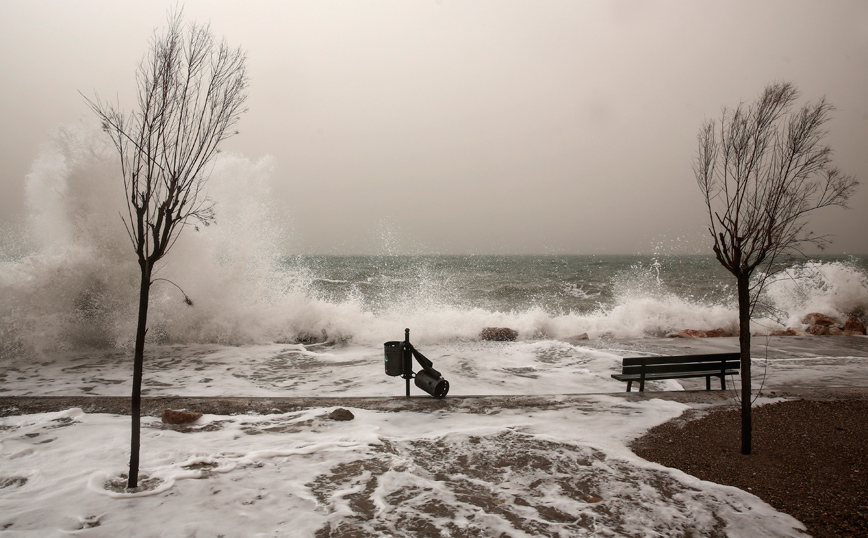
(653, 299)
(77, 285)
(228, 269)
(71, 285)
(835, 288)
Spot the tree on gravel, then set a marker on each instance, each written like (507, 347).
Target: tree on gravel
(762, 168)
(191, 93)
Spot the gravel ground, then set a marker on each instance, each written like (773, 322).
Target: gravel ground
(809, 458)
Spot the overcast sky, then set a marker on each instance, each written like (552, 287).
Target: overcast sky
(471, 126)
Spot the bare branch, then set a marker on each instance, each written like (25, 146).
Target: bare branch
(191, 94)
(762, 170)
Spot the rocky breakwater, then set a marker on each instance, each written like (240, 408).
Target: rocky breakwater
(815, 324)
(822, 325)
(696, 333)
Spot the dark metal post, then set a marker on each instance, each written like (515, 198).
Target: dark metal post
(408, 358)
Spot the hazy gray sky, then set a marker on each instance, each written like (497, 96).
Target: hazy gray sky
(471, 126)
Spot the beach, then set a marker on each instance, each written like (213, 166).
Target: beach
(536, 463)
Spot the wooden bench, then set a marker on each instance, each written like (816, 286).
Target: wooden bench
(679, 367)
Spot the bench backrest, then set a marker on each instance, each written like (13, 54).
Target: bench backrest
(714, 362)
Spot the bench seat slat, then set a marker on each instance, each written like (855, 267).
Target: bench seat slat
(684, 367)
(715, 357)
(673, 375)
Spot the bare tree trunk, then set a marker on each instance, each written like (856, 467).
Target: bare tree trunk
(191, 93)
(762, 169)
(744, 345)
(138, 368)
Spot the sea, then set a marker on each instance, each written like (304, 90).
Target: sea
(62, 301)
(69, 277)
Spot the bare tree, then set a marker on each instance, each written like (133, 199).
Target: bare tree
(762, 169)
(191, 93)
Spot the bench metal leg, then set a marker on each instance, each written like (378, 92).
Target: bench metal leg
(629, 385)
(708, 382)
(723, 382)
(642, 385)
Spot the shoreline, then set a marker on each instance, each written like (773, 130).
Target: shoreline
(235, 405)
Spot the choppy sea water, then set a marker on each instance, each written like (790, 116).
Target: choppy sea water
(557, 284)
(564, 296)
(56, 302)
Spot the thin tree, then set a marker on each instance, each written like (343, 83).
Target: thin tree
(191, 93)
(762, 168)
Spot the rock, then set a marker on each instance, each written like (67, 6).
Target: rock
(306, 338)
(818, 330)
(717, 333)
(687, 333)
(816, 318)
(583, 336)
(854, 325)
(179, 417)
(788, 332)
(341, 414)
(498, 334)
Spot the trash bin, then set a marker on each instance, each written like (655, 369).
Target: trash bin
(394, 356)
(435, 386)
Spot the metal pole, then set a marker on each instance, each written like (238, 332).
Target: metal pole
(408, 364)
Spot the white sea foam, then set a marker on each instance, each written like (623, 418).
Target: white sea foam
(563, 470)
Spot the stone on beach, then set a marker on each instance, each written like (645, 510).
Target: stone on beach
(854, 325)
(717, 333)
(819, 330)
(171, 416)
(815, 318)
(498, 334)
(687, 333)
(789, 331)
(696, 333)
(341, 414)
(823, 325)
